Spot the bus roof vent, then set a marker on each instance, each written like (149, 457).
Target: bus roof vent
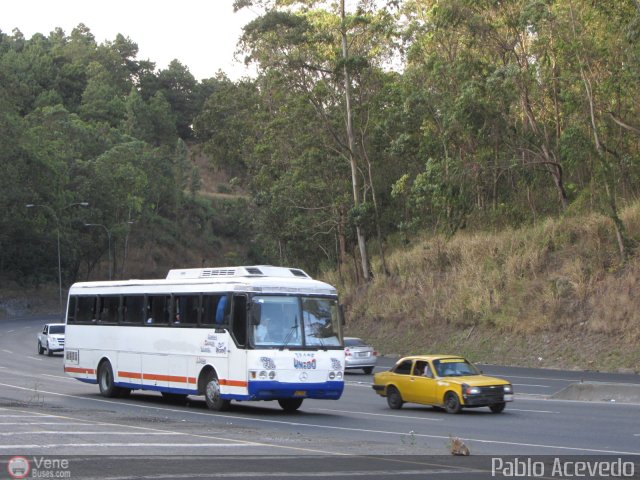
(298, 273)
(226, 272)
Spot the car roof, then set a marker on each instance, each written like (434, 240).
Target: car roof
(55, 324)
(429, 357)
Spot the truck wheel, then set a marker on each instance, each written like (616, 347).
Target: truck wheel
(40, 349)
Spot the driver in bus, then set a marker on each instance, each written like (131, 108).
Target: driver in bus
(262, 331)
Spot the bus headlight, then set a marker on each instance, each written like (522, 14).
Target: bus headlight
(339, 375)
(262, 375)
(332, 375)
(272, 375)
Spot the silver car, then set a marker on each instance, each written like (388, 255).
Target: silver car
(357, 354)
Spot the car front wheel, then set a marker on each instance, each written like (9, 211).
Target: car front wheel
(394, 399)
(498, 407)
(452, 403)
(40, 349)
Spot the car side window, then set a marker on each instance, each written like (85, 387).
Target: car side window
(44, 330)
(403, 368)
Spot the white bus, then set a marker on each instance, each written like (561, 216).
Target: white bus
(237, 333)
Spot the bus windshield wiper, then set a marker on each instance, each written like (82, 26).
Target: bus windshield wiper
(293, 329)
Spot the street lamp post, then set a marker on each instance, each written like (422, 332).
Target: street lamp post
(108, 239)
(55, 217)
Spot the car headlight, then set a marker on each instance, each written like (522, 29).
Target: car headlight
(471, 390)
(508, 389)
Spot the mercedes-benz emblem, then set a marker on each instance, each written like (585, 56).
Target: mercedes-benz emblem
(304, 376)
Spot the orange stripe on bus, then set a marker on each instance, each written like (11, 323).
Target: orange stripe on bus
(129, 374)
(79, 370)
(168, 378)
(233, 383)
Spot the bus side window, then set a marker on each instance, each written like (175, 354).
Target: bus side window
(109, 309)
(215, 311)
(221, 310)
(132, 309)
(158, 309)
(87, 309)
(71, 310)
(185, 310)
(239, 324)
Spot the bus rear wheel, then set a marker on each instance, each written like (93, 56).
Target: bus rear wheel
(290, 404)
(212, 394)
(106, 382)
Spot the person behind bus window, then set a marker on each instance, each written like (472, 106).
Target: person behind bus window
(262, 331)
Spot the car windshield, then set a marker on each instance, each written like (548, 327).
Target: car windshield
(287, 321)
(454, 367)
(56, 329)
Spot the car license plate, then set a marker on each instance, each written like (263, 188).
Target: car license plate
(363, 354)
(300, 393)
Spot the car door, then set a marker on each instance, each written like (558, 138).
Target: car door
(402, 378)
(43, 337)
(422, 386)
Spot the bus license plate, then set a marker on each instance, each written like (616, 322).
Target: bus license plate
(300, 393)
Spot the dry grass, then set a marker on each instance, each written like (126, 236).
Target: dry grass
(555, 293)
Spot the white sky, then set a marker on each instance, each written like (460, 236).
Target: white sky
(201, 34)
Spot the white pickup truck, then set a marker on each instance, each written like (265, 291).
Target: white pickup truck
(51, 338)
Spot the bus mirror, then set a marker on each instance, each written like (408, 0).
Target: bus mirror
(256, 312)
(341, 313)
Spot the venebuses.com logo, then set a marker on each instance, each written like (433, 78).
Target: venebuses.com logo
(38, 467)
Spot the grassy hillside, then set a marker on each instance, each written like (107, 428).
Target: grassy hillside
(552, 295)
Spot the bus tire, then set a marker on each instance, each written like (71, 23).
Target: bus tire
(106, 380)
(212, 394)
(290, 404)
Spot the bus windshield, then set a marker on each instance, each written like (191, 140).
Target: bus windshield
(288, 321)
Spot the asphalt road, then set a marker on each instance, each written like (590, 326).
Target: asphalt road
(45, 413)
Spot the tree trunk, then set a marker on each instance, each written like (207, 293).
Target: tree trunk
(362, 244)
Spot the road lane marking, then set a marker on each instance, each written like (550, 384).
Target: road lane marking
(259, 444)
(532, 411)
(49, 423)
(59, 376)
(26, 416)
(545, 378)
(10, 331)
(530, 385)
(83, 432)
(34, 358)
(311, 425)
(7, 351)
(93, 445)
(376, 414)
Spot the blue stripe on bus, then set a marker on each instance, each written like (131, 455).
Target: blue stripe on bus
(157, 388)
(269, 390)
(87, 380)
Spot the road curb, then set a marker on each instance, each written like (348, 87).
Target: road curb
(600, 392)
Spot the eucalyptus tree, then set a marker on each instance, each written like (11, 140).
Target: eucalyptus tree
(320, 51)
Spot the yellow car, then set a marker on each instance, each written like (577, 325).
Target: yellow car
(446, 381)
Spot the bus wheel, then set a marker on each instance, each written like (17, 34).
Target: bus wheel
(105, 381)
(290, 404)
(212, 394)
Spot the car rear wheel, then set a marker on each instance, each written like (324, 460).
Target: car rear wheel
(212, 394)
(394, 399)
(290, 404)
(367, 370)
(498, 407)
(452, 403)
(40, 349)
